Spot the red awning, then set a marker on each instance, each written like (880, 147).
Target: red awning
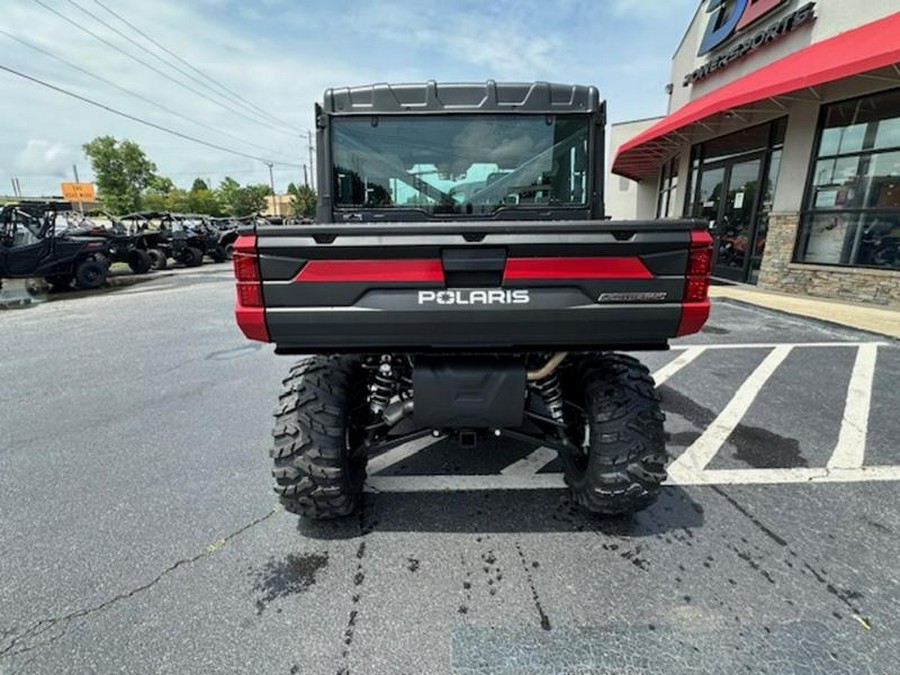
(871, 47)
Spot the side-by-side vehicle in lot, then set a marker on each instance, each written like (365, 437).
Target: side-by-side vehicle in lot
(462, 281)
(32, 246)
(139, 251)
(182, 237)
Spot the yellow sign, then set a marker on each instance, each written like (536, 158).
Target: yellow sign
(78, 192)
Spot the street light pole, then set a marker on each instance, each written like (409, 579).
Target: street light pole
(272, 183)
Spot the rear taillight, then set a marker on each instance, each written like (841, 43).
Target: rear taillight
(246, 272)
(696, 285)
(250, 310)
(695, 305)
(250, 295)
(246, 268)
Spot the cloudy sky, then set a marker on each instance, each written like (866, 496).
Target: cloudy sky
(278, 56)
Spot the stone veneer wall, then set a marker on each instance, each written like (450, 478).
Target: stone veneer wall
(778, 273)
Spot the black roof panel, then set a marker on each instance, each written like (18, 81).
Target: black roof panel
(490, 96)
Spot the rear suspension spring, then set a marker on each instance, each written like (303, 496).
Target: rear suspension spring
(381, 390)
(550, 389)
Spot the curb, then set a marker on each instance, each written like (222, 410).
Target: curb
(812, 319)
(15, 294)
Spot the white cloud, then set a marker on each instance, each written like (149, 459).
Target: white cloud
(284, 82)
(281, 56)
(45, 158)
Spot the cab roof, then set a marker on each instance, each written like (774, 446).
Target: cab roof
(433, 97)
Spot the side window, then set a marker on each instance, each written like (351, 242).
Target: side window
(665, 204)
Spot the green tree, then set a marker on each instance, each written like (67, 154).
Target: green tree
(178, 201)
(228, 192)
(203, 201)
(122, 172)
(242, 201)
(155, 202)
(198, 185)
(303, 201)
(160, 185)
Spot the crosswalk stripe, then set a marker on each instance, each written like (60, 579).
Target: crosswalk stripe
(851, 446)
(677, 364)
(701, 452)
(531, 463)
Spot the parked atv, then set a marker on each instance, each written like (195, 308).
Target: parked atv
(175, 239)
(207, 234)
(138, 251)
(31, 247)
(226, 233)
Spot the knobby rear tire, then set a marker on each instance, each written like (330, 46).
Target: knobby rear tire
(319, 465)
(624, 464)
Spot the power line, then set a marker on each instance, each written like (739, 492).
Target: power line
(139, 120)
(156, 56)
(154, 68)
(135, 94)
(221, 86)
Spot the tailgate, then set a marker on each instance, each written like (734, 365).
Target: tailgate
(493, 286)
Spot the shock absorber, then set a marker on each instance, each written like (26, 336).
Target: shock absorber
(382, 387)
(550, 389)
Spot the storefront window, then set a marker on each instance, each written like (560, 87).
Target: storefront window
(665, 203)
(852, 214)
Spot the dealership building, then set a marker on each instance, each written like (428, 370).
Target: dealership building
(784, 132)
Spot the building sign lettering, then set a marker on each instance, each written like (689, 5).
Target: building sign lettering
(723, 25)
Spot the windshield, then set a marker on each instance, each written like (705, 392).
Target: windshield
(460, 164)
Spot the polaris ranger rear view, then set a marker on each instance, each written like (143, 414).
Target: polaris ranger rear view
(462, 281)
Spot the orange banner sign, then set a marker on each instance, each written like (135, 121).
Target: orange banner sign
(78, 192)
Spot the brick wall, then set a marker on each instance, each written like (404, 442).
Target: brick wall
(778, 273)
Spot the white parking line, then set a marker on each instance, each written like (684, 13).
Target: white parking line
(531, 464)
(395, 455)
(554, 481)
(677, 364)
(538, 481)
(799, 475)
(851, 446)
(772, 345)
(701, 452)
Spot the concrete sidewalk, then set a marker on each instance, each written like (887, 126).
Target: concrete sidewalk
(882, 320)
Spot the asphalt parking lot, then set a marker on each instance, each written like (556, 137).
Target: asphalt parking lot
(140, 534)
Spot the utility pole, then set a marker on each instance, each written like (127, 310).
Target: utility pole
(305, 177)
(272, 183)
(18, 188)
(13, 181)
(80, 204)
(312, 172)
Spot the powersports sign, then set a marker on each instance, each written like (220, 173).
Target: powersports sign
(728, 18)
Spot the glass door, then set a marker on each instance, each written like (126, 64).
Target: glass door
(734, 230)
